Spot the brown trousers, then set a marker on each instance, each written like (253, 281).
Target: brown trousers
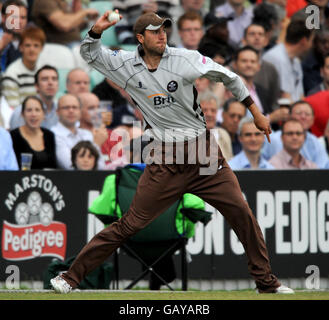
(159, 187)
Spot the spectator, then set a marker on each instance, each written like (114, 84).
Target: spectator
(123, 110)
(209, 104)
(314, 61)
(265, 14)
(32, 138)
(268, 77)
(67, 134)
(185, 6)
(319, 103)
(131, 10)
(8, 159)
(217, 36)
(9, 42)
(77, 81)
(285, 57)
(61, 24)
(242, 18)
(233, 112)
(18, 80)
(247, 65)
(324, 140)
(293, 137)
(324, 72)
(190, 29)
(91, 117)
(46, 84)
(311, 149)
(84, 156)
(252, 140)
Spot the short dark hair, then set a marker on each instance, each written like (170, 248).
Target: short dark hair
(31, 98)
(265, 15)
(8, 3)
(300, 102)
(297, 30)
(245, 48)
(287, 121)
(45, 67)
(228, 102)
(258, 24)
(87, 145)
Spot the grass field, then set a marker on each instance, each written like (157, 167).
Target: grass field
(160, 295)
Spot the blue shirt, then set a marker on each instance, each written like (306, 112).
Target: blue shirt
(7, 155)
(240, 162)
(312, 149)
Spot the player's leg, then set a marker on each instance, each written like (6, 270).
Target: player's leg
(223, 192)
(158, 188)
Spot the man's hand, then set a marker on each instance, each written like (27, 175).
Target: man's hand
(103, 23)
(263, 124)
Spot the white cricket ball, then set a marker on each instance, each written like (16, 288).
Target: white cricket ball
(114, 16)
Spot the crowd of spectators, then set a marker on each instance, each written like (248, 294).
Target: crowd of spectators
(71, 117)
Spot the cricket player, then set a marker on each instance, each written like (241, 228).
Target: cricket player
(160, 81)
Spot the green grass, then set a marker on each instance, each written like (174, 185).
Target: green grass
(164, 295)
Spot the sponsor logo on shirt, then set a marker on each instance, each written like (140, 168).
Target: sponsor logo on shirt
(172, 86)
(161, 100)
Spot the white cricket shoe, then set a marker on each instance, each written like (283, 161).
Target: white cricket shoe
(60, 285)
(284, 290)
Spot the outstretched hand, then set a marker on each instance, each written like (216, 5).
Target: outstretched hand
(103, 23)
(263, 124)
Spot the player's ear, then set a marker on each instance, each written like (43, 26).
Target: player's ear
(140, 38)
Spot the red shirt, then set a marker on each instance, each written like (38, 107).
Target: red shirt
(320, 104)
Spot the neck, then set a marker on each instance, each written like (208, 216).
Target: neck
(30, 131)
(48, 101)
(295, 157)
(152, 61)
(253, 158)
(72, 128)
(29, 64)
(326, 84)
(238, 8)
(292, 50)
(86, 125)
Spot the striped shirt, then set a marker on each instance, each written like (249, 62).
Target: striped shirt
(18, 83)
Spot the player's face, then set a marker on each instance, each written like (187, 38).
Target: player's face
(154, 41)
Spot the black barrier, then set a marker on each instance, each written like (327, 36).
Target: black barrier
(44, 216)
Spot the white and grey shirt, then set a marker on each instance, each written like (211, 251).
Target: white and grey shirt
(166, 97)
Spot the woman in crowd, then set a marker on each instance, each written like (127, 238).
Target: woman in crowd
(32, 138)
(84, 156)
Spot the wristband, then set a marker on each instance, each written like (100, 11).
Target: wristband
(247, 102)
(94, 35)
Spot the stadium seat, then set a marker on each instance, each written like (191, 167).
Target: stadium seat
(160, 239)
(95, 78)
(62, 74)
(78, 60)
(56, 55)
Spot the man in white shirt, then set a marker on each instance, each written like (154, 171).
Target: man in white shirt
(67, 134)
(285, 58)
(46, 84)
